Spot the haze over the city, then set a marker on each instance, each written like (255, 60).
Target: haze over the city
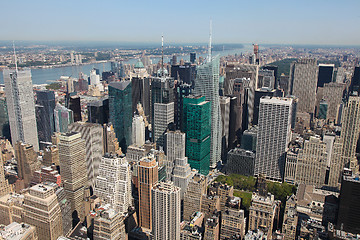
(265, 22)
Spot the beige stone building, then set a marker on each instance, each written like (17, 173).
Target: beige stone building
(42, 210)
(109, 224)
(233, 220)
(11, 208)
(212, 228)
(262, 213)
(193, 196)
(27, 161)
(73, 169)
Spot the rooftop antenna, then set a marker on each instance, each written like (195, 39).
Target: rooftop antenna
(210, 36)
(16, 67)
(162, 55)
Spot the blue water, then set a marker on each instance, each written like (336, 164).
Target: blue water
(47, 75)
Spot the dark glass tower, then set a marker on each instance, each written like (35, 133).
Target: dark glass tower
(45, 114)
(197, 126)
(120, 111)
(4, 119)
(98, 111)
(325, 75)
(141, 94)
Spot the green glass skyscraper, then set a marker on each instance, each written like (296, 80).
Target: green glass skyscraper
(197, 126)
(120, 111)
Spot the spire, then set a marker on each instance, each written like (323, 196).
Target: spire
(162, 55)
(16, 67)
(210, 36)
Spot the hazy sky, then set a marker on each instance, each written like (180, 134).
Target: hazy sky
(183, 21)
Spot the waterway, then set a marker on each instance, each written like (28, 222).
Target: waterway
(48, 75)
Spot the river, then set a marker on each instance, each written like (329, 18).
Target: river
(47, 75)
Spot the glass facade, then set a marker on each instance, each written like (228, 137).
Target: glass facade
(120, 111)
(45, 114)
(197, 126)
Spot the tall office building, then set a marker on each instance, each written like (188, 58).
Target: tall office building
(21, 107)
(273, 137)
(75, 106)
(63, 118)
(109, 224)
(344, 153)
(303, 80)
(163, 116)
(138, 131)
(165, 211)
(290, 218)
(326, 73)
(275, 69)
(225, 121)
(182, 174)
(162, 91)
(42, 210)
(174, 148)
(92, 133)
(98, 111)
(73, 169)
(193, 196)
(207, 84)
(348, 216)
(27, 161)
(266, 79)
(240, 161)
(45, 115)
(355, 81)
(140, 88)
(192, 57)
(113, 184)
(120, 109)
(197, 127)
(148, 176)
(184, 73)
(332, 93)
(311, 163)
(4, 119)
(181, 91)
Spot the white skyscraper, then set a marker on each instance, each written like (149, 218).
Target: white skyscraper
(165, 211)
(138, 131)
(207, 84)
(92, 133)
(95, 79)
(174, 148)
(113, 184)
(274, 134)
(163, 115)
(182, 174)
(21, 107)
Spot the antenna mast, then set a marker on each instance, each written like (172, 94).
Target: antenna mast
(162, 55)
(16, 67)
(210, 36)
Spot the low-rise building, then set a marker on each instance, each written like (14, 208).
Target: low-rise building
(18, 231)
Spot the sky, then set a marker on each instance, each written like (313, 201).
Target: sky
(328, 22)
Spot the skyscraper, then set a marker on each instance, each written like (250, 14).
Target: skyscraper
(113, 184)
(120, 109)
(174, 148)
(166, 211)
(192, 57)
(193, 196)
(27, 161)
(4, 119)
(42, 210)
(73, 170)
(20, 106)
(92, 133)
(75, 106)
(350, 128)
(273, 136)
(225, 121)
(98, 111)
(303, 80)
(63, 118)
(333, 94)
(140, 88)
(197, 127)
(207, 84)
(5, 188)
(163, 116)
(326, 72)
(138, 131)
(148, 176)
(45, 114)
